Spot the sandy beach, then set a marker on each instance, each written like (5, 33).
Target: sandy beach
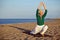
(20, 31)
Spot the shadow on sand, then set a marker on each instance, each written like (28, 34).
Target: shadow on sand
(28, 32)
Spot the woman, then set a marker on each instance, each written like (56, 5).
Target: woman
(40, 15)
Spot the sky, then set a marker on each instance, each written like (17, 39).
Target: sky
(26, 9)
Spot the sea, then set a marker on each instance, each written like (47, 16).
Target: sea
(13, 21)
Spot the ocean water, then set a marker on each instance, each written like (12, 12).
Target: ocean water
(10, 21)
(13, 21)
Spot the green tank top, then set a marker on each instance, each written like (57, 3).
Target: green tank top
(40, 21)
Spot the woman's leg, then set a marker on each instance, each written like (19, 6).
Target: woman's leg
(44, 29)
(36, 30)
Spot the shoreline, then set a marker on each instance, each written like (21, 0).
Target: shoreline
(49, 20)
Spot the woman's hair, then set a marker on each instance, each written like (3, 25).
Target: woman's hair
(41, 11)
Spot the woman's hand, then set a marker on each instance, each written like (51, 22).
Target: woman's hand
(42, 4)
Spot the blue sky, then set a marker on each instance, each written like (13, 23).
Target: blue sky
(16, 9)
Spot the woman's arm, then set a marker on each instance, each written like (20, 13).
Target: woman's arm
(44, 6)
(45, 10)
(40, 5)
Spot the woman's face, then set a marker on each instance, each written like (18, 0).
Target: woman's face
(41, 13)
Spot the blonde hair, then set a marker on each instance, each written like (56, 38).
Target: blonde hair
(41, 11)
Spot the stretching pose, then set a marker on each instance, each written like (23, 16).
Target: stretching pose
(40, 15)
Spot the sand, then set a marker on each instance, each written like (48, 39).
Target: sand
(20, 31)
